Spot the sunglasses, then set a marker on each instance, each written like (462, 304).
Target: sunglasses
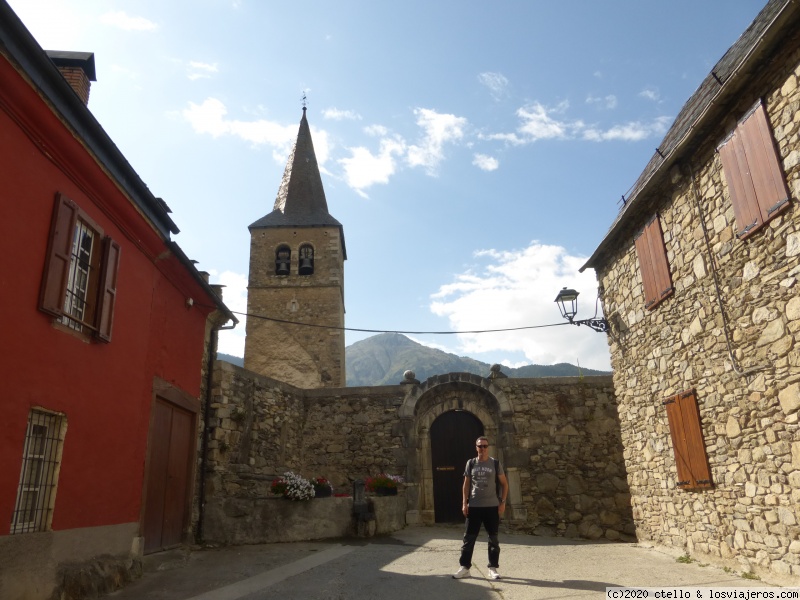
(482, 446)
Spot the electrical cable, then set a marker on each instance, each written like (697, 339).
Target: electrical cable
(394, 330)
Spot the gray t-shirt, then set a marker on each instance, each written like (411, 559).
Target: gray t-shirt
(483, 490)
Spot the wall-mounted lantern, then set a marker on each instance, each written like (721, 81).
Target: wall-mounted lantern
(567, 301)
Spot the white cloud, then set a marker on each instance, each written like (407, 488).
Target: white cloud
(497, 83)
(340, 115)
(123, 20)
(517, 289)
(376, 130)
(211, 118)
(438, 129)
(609, 102)
(199, 70)
(485, 163)
(629, 132)
(538, 122)
(364, 169)
(235, 298)
(650, 94)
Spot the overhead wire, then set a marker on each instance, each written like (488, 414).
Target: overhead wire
(394, 330)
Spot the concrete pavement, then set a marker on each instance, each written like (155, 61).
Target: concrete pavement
(416, 562)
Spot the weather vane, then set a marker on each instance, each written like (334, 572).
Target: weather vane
(304, 100)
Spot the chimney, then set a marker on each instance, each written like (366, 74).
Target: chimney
(77, 68)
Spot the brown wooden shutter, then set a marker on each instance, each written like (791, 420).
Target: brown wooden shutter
(658, 252)
(762, 157)
(687, 441)
(107, 295)
(653, 263)
(756, 184)
(59, 254)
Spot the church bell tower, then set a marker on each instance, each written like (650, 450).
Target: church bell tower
(296, 281)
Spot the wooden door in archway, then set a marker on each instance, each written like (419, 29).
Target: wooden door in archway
(453, 436)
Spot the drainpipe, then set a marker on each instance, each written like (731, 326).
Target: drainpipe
(212, 352)
(712, 264)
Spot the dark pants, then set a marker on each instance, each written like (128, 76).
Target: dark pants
(489, 517)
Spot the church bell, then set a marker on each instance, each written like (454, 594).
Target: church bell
(306, 266)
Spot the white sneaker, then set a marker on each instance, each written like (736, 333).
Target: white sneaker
(461, 573)
(493, 574)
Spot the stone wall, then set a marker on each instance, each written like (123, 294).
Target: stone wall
(567, 450)
(735, 344)
(558, 438)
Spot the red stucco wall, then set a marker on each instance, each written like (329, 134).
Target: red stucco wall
(105, 390)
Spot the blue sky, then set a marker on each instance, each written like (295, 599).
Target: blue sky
(474, 152)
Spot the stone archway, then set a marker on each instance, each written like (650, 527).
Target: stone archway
(457, 391)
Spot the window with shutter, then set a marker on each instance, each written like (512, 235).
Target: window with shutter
(653, 263)
(79, 286)
(756, 184)
(687, 441)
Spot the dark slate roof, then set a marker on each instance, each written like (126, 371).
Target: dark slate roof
(703, 109)
(301, 197)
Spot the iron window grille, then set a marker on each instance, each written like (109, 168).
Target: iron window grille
(38, 480)
(82, 273)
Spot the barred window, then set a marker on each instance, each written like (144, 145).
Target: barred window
(38, 479)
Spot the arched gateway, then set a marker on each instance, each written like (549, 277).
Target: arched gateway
(452, 443)
(452, 410)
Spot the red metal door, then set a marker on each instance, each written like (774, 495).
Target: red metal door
(169, 475)
(453, 436)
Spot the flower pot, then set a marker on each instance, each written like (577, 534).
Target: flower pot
(323, 493)
(386, 491)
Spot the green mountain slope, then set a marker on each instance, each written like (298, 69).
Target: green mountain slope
(382, 359)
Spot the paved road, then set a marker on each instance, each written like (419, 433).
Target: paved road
(416, 563)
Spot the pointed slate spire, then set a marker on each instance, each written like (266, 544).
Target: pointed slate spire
(301, 197)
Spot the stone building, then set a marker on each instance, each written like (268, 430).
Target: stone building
(297, 255)
(698, 277)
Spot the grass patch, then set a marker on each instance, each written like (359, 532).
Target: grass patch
(751, 575)
(685, 559)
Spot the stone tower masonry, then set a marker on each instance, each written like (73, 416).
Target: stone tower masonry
(297, 255)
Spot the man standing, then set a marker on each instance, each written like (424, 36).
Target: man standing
(481, 505)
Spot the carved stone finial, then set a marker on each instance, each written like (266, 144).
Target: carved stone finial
(495, 372)
(409, 377)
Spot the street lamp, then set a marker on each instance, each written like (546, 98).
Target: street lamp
(567, 301)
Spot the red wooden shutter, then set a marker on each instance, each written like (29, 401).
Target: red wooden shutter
(653, 263)
(687, 441)
(107, 295)
(762, 157)
(658, 252)
(756, 184)
(59, 254)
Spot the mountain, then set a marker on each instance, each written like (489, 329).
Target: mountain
(235, 360)
(382, 359)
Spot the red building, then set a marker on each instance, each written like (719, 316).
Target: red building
(106, 338)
